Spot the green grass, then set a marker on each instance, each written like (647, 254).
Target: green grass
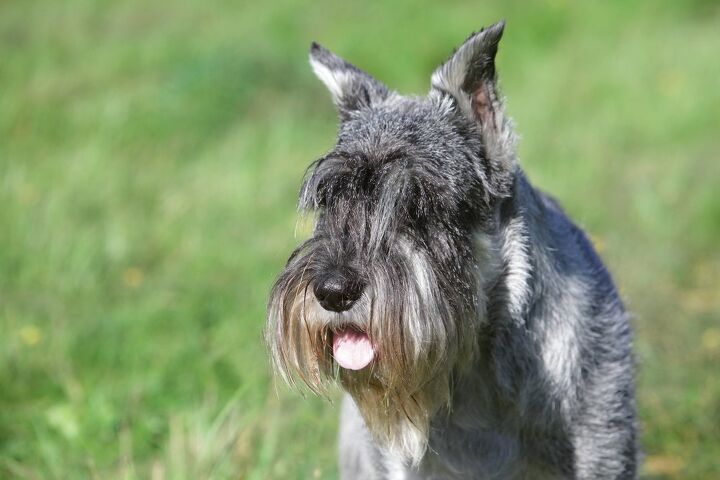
(150, 154)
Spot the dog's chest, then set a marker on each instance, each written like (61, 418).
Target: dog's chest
(486, 437)
(458, 454)
(476, 455)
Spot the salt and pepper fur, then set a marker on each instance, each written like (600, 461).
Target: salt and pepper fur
(502, 347)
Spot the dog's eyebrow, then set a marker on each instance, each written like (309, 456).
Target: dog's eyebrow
(347, 155)
(332, 157)
(363, 158)
(393, 155)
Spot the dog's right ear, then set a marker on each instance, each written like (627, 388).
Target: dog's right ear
(351, 88)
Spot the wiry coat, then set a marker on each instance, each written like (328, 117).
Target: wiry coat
(503, 349)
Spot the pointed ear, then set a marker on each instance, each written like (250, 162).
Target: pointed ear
(469, 77)
(469, 74)
(351, 88)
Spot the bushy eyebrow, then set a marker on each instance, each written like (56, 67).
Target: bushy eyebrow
(348, 155)
(360, 158)
(351, 174)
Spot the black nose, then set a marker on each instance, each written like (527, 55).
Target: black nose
(337, 293)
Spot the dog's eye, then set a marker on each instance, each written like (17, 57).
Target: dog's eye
(330, 187)
(414, 200)
(320, 194)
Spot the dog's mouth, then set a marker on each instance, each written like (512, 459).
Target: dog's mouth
(352, 349)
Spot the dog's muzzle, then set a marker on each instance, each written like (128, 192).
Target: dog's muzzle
(337, 292)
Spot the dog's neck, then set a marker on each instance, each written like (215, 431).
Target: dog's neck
(497, 401)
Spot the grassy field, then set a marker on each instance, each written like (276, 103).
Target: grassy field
(150, 155)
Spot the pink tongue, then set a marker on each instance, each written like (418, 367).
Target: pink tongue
(352, 350)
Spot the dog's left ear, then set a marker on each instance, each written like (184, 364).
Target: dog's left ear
(351, 88)
(469, 77)
(469, 74)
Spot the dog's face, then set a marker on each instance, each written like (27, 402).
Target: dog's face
(386, 295)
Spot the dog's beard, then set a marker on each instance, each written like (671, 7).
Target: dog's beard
(420, 333)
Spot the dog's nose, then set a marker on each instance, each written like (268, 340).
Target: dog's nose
(337, 293)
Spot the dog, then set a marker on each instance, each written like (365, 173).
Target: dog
(474, 329)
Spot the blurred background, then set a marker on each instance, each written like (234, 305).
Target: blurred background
(150, 156)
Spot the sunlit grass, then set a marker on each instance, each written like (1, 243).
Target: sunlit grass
(150, 154)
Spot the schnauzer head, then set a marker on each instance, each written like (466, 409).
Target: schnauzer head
(386, 297)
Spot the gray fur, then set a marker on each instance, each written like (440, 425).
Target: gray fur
(502, 347)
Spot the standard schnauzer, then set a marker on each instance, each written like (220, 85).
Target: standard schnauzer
(471, 323)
